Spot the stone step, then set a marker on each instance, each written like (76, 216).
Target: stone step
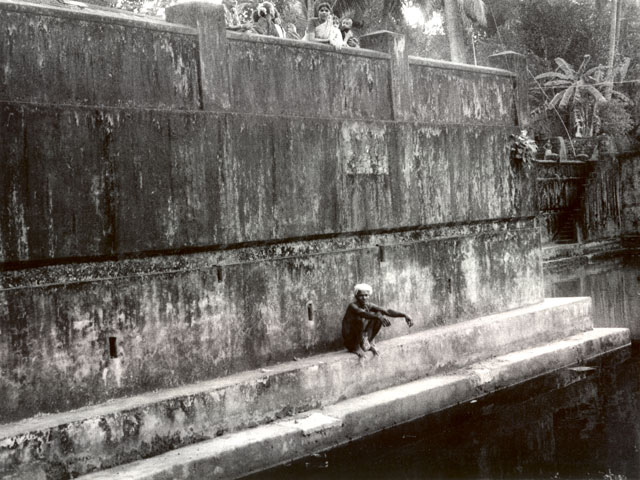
(255, 449)
(128, 429)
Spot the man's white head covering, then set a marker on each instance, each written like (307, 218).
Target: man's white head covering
(362, 287)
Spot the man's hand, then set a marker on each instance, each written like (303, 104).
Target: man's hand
(408, 320)
(385, 321)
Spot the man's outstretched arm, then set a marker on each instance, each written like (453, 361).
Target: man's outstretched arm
(393, 313)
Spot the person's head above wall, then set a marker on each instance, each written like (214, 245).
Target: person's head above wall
(322, 5)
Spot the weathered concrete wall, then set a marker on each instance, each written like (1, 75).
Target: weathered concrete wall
(630, 204)
(133, 428)
(147, 174)
(59, 56)
(560, 189)
(247, 193)
(612, 285)
(603, 205)
(274, 77)
(442, 92)
(180, 319)
(589, 194)
(84, 183)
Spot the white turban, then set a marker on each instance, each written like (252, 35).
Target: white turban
(362, 287)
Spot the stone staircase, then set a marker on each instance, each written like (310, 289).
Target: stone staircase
(233, 426)
(566, 232)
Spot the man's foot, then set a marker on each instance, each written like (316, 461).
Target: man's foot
(372, 347)
(366, 346)
(359, 352)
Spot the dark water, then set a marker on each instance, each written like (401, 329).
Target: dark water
(572, 424)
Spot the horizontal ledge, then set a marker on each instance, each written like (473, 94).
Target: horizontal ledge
(560, 179)
(180, 110)
(395, 346)
(14, 274)
(560, 162)
(443, 64)
(305, 44)
(93, 13)
(255, 449)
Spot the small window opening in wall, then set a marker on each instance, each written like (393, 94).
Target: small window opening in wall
(381, 253)
(310, 311)
(449, 285)
(113, 347)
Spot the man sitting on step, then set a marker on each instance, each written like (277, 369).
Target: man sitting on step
(362, 321)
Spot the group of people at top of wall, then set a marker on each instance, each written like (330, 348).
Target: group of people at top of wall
(323, 27)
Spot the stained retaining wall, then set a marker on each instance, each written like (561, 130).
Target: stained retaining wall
(179, 203)
(630, 198)
(596, 195)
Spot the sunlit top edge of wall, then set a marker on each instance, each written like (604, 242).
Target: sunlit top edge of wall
(96, 14)
(289, 42)
(430, 62)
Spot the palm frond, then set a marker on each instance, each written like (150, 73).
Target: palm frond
(596, 74)
(341, 6)
(555, 100)
(583, 65)
(557, 75)
(346, 13)
(594, 92)
(622, 97)
(594, 70)
(558, 83)
(568, 94)
(565, 67)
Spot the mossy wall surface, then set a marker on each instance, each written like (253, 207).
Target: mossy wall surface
(194, 222)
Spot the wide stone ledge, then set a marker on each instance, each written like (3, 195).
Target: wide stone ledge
(252, 450)
(98, 270)
(125, 430)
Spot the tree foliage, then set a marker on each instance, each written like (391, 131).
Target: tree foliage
(579, 93)
(557, 35)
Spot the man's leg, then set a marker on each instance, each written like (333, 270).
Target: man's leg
(358, 351)
(370, 332)
(354, 347)
(352, 337)
(373, 328)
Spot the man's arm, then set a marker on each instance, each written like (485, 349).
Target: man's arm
(392, 313)
(363, 313)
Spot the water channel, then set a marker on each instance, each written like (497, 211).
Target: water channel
(575, 423)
